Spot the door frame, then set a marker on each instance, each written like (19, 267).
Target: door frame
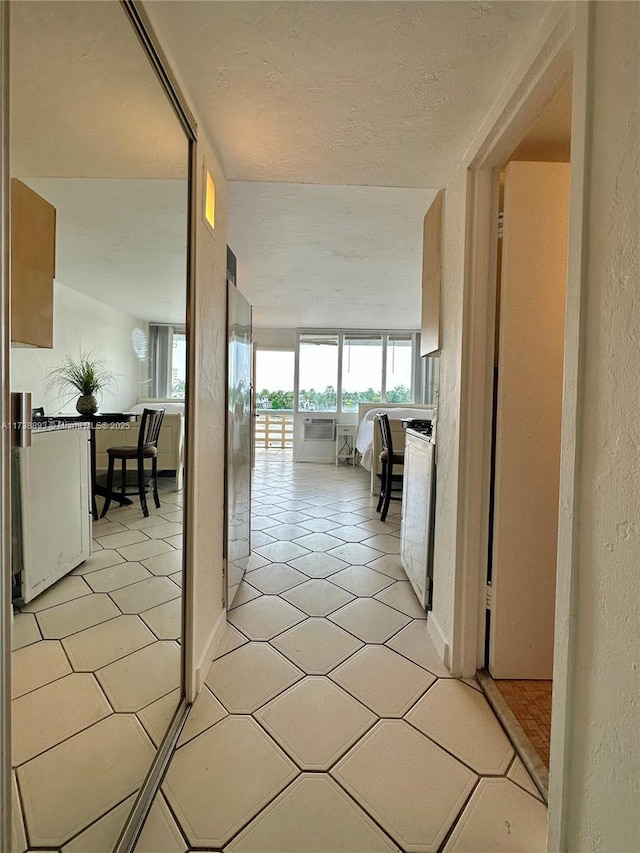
(549, 69)
(565, 51)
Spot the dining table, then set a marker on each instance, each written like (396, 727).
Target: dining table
(98, 421)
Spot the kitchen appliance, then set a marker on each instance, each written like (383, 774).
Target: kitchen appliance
(50, 499)
(239, 433)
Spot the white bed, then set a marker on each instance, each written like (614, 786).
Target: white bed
(368, 434)
(170, 442)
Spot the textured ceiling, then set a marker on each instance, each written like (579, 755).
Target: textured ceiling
(347, 257)
(85, 101)
(358, 93)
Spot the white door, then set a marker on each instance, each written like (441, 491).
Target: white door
(528, 417)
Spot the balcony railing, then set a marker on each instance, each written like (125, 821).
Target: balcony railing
(274, 429)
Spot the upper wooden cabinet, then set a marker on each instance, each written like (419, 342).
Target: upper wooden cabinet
(431, 275)
(33, 266)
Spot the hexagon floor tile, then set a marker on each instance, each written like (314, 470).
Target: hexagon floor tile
(318, 597)
(251, 675)
(36, 665)
(383, 680)
(205, 712)
(370, 620)
(103, 834)
(316, 645)
(415, 643)
(265, 617)
(156, 717)
(318, 564)
(361, 580)
(134, 681)
(54, 712)
(355, 553)
(315, 722)
(73, 616)
(102, 644)
(231, 639)
(222, 778)
(460, 719)
(160, 831)
(276, 578)
(415, 793)
(403, 598)
(58, 802)
(313, 815)
(501, 818)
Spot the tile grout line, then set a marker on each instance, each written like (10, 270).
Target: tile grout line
(450, 831)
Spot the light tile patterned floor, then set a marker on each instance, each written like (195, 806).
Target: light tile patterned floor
(327, 723)
(96, 665)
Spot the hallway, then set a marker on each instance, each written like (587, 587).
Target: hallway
(327, 723)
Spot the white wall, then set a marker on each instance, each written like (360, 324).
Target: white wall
(596, 714)
(83, 324)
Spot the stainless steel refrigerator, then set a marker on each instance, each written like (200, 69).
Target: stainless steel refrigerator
(239, 432)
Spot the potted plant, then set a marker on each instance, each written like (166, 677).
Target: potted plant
(86, 374)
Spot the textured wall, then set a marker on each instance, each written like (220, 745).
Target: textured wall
(603, 707)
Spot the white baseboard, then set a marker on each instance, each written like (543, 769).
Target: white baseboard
(215, 638)
(439, 641)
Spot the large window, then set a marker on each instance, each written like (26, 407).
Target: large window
(364, 367)
(318, 372)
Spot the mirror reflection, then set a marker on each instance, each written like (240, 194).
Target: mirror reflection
(99, 236)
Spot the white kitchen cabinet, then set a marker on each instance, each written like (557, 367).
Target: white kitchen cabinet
(416, 536)
(51, 503)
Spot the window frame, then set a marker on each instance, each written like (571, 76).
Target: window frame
(384, 335)
(163, 383)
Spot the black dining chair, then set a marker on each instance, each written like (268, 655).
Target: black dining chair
(146, 448)
(388, 459)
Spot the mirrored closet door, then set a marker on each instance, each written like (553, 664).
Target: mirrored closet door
(99, 177)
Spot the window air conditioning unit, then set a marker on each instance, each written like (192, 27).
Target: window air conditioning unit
(319, 429)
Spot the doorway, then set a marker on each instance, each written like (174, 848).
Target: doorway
(528, 369)
(517, 621)
(275, 372)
